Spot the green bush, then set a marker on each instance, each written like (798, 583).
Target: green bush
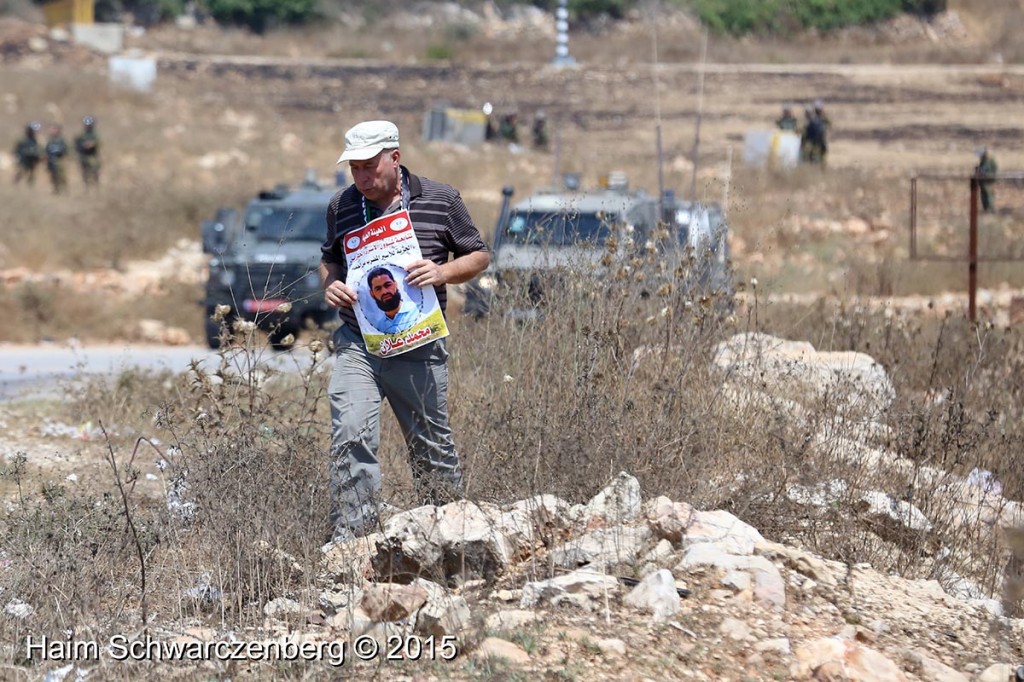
(925, 7)
(259, 15)
(739, 17)
(439, 52)
(831, 14)
(585, 9)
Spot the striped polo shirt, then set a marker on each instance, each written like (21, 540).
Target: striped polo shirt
(439, 219)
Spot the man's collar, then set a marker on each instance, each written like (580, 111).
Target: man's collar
(415, 186)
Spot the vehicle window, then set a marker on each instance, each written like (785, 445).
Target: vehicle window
(275, 223)
(694, 227)
(559, 229)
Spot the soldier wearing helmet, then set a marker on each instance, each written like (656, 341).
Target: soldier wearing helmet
(56, 150)
(814, 138)
(28, 153)
(986, 172)
(87, 146)
(540, 131)
(787, 121)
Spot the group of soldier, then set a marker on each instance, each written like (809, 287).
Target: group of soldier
(813, 133)
(507, 129)
(30, 151)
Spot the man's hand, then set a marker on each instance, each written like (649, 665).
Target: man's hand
(338, 294)
(425, 273)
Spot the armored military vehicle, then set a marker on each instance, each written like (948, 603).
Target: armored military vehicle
(264, 263)
(550, 235)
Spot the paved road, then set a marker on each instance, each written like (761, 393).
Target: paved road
(42, 370)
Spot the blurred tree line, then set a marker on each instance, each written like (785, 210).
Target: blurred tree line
(736, 17)
(785, 17)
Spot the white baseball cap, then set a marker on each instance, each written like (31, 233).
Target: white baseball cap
(367, 139)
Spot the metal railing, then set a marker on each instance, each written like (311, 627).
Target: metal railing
(972, 257)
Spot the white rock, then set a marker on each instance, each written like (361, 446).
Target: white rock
(282, 607)
(601, 548)
(619, 501)
(579, 588)
(734, 629)
(18, 609)
(998, 672)
(882, 507)
(493, 647)
(724, 529)
(656, 593)
(778, 646)
(854, 660)
(667, 519)
(443, 614)
(855, 383)
(510, 619)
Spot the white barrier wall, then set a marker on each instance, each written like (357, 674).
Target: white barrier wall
(775, 148)
(137, 73)
(105, 38)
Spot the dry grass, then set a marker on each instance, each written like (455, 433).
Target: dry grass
(555, 406)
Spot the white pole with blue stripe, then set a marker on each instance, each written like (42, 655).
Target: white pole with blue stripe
(562, 56)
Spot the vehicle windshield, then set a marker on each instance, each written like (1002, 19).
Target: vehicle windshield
(277, 223)
(694, 226)
(559, 229)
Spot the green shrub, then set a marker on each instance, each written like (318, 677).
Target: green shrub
(259, 15)
(924, 6)
(831, 14)
(585, 9)
(739, 17)
(439, 52)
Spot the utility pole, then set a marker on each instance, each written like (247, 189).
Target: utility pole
(700, 113)
(657, 124)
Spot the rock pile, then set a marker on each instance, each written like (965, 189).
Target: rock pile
(634, 585)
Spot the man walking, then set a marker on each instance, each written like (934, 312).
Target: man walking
(415, 383)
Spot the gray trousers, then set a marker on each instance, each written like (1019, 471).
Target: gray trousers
(416, 386)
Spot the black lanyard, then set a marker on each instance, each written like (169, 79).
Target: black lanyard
(405, 201)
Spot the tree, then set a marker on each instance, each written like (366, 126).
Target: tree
(259, 15)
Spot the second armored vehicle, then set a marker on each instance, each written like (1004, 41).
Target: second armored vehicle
(551, 235)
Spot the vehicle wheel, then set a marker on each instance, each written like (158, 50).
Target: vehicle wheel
(278, 336)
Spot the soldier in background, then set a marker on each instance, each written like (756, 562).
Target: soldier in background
(822, 125)
(807, 152)
(490, 130)
(28, 153)
(787, 121)
(508, 128)
(540, 131)
(87, 145)
(819, 112)
(986, 170)
(56, 150)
